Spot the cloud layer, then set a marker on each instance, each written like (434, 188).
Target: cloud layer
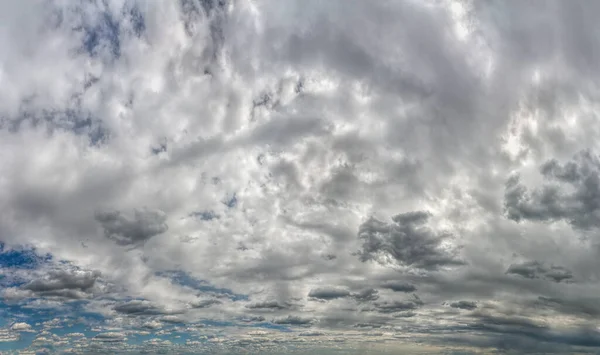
(249, 176)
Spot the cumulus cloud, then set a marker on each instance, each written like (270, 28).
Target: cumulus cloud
(58, 283)
(570, 193)
(132, 229)
(21, 327)
(407, 241)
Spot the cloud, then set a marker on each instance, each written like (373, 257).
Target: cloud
(135, 229)
(406, 241)
(569, 193)
(69, 283)
(21, 327)
(138, 307)
(205, 303)
(468, 305)
(266, 305)
(398, 306)
(366, 295)
(328, 293)
(535, 269)
(293, 320)
(399, 286)
(110, 337)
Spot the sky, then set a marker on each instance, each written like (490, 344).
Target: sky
(299, 177)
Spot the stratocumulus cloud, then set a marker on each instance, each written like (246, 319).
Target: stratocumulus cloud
(239, 176)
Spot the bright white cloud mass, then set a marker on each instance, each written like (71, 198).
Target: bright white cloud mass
(299, 176)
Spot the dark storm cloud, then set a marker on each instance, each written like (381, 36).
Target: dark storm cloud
(132, 230)
(407, 240)
(535, 269)
(468, 305)
(571, 193)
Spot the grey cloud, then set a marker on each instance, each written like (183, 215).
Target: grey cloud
(571, 192)
(267, 305)
(407, 241)
(205, 303)
(395, 306)
(535, 269)
(132, 230)
(468, 305)
(65, 284)
(328, 293)
(367, 295)
(586, 307)
(367, 325)
(139, 308)
(519, 328)
(398, 306)
(293, 320)
(386, 109)
(399, 286)
(109, 337)
(405, 314)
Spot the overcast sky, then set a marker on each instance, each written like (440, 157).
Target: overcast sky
(300, 176)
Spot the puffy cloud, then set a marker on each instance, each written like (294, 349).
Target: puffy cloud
(570, 193)
(21, 327)
(132, 230)
(406, 241)
(65, 283)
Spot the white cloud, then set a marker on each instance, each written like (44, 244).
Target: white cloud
(21, 327)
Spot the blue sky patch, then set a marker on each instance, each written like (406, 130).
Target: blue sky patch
(21, 258)
(205, 215)
(231, 202)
